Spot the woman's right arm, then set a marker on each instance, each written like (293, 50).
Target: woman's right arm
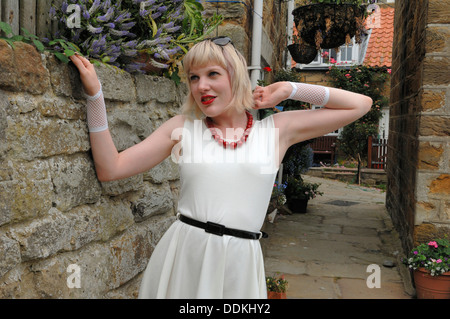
(109, 163)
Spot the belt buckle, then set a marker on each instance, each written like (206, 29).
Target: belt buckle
(214, 228)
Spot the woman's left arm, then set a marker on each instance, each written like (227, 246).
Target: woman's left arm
(340, 108)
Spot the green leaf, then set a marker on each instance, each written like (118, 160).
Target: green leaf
(61, 57)
(28, 34)
(38, 44)
(17, 38)
(68, 52)
(5, 27)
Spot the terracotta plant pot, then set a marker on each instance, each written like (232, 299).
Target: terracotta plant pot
(432, 287)
(276, 295)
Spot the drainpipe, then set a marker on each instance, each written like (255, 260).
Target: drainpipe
(255, 67)
(290, 31)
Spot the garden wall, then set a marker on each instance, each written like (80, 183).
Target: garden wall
(418, 196)
(60, 228)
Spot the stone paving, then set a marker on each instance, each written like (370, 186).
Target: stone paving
(341, 246)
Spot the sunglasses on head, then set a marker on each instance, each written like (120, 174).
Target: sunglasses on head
(221, 41)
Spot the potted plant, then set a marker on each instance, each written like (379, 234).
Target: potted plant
(298, 193)
(118, 33)
(276, 287)
(430, 263)
(329, 24)
(278, 198)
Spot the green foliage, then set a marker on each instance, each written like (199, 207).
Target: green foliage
(365, 80)
(434, 256)
(297, 188)
(276, 283)
(298, 159)
(61, 48)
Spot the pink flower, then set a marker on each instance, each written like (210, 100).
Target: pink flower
(389, 71)
(439, 261)
(332, 60)
(416, 252)
(433, 244)
(348, 75)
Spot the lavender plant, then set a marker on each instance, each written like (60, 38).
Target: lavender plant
(116, 32)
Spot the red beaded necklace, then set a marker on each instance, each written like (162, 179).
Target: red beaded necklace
(226, 144)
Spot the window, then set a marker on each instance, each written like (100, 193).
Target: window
(347, 55)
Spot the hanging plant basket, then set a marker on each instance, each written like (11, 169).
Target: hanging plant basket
(302, 53)
(328, 26)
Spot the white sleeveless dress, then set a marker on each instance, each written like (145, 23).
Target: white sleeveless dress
(224, 186)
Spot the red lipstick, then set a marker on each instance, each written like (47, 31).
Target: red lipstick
(208, 99)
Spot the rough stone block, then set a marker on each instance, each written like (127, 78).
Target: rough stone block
(430, 155)
(32, 136)
(435, 70)
(438, 11)
(21, 68)
(437, 39)
(155, 200)
(27, 193)
(432, 100)
(9, 254)
(441, 185)
(115, 217)
(42, 237)
(117, 85)
(434, 126)
(155, 88)
(75, 181)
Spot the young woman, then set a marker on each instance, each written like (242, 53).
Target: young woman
(228, 163)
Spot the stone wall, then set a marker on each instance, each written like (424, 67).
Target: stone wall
(54, 212)
(418, 196)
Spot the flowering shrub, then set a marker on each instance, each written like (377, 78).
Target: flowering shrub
(278, 197)
(365, 80)
(276, 284)
(297, 188)
(434, 256)
(114, 32)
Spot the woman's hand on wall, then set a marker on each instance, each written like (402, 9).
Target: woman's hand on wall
(91, 84)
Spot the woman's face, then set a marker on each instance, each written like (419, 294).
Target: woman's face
(211, 88)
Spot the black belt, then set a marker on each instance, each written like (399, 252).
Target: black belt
(221, 230)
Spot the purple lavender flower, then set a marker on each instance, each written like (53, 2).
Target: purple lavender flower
(156, 15)
(86, 15)
(94, 30)
(52, 12)
(123, 16)
(127, 26)
(94, 7)
(107, 16)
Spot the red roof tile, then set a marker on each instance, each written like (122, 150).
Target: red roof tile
(379, 49)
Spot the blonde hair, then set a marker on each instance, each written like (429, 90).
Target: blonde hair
(207, 52)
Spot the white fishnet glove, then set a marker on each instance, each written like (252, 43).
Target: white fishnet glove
(96, 112)
(310, 93)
